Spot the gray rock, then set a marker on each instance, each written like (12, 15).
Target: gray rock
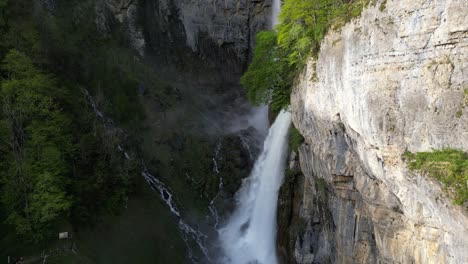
(390, 81)
(219, 33)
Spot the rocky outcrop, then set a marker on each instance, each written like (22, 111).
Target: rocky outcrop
(390, 81)
(201, 38)
(120, 12)
(201, 48)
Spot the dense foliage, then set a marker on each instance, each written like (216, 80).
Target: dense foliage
(449, 166)
(58, 164)
(36, 131)
(279, 55)
(295, 138)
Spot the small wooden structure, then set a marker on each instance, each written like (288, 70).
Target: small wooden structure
(64, 235)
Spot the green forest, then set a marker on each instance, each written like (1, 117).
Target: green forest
(59, 167)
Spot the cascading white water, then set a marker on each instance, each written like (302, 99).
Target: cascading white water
(249, 235)
(275, 10)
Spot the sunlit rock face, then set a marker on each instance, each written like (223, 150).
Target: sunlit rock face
(389, 81)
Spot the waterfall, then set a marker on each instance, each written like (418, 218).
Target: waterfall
(249, 236)
(275, 10)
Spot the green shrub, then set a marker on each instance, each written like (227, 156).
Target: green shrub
(280, 55)
(295, 138)
(449, 166)
(383, 5)
(265, 77)
(321, 186)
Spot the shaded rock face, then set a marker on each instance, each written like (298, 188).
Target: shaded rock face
(390, 81)
(200, 47)
(204, 44)
(209, 41)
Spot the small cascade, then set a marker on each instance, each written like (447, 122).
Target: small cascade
(213, 212)
(211, 206)
(249, 236)
(92, 103)
(188, 232)
(158, 186)
(246, 145)
(216, 157)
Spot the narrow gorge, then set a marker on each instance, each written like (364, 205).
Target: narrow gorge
(234, 131)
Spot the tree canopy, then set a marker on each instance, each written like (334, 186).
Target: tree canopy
(36, 145)
(280, 54)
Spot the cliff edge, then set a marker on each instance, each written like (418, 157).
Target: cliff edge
(391, 81)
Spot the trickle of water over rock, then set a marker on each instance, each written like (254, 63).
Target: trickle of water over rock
(188, 233)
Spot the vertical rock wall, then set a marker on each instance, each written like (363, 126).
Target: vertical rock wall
(203, 39)
(392, 80)
(200, 47)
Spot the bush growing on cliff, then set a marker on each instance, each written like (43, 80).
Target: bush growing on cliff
(304, 23)
(295, 138)
(279, 56)
(266, 77)
(449, 166)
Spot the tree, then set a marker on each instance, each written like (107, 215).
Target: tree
(39, 145)
(279, 57)
(3, 5)
(265, 78)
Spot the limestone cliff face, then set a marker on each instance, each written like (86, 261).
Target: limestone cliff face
(390, 81)
(211, 39)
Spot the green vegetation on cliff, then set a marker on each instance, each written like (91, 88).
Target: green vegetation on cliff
(280, 55)
(449, 166)
(295, 138)
(58, 165)
(54, 161)
(265, 78)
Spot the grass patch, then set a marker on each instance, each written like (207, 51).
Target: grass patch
(463, 104)
(383, 5)
(449, 166)
(320, 185)
(295, 139)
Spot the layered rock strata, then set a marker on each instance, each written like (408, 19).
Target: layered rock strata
(392, 80)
